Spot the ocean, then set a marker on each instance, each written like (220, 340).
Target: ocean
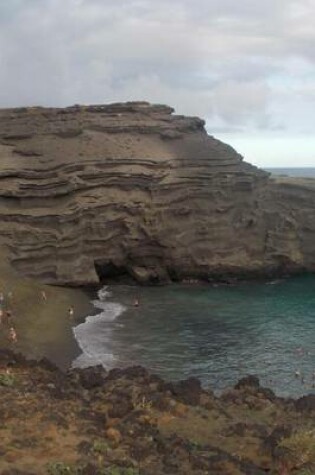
(295, 172)
(216, 333)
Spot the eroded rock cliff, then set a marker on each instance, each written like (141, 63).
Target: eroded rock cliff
(92, 192)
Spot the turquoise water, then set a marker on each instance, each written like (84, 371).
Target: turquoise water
(218, 334)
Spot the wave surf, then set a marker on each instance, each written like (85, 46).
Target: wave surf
(94, 334)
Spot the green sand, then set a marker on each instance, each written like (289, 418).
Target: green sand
(44, 328)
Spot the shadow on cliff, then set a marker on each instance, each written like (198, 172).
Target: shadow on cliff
(109, 273)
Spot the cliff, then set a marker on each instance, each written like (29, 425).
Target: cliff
(96, 192)
(130, 422)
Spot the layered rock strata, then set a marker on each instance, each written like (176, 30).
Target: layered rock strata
(94, 192)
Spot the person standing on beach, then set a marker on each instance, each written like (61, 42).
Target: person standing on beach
(44, 296)
(9, 317)
(12, 335)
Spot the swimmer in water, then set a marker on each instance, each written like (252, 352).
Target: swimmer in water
(136, 303)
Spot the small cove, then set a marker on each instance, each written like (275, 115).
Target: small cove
(218, 334)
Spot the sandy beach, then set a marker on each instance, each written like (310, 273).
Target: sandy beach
(43, 326)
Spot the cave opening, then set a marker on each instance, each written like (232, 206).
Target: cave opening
(108, 272)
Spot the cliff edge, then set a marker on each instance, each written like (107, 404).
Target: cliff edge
(89, 193)
(131, 422)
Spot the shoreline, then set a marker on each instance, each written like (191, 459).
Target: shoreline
(62, 347)
(42, 325)
(123, 296)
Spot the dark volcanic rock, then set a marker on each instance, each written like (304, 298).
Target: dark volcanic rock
(188, 391)
(271, 442)
(121, 408)
(306, 403)
(252, 383)
(132, 422)
(248, 381)
(91, 377)
(132, 191)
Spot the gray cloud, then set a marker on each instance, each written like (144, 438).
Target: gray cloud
(224, 60)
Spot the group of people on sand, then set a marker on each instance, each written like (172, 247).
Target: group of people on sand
(70, 309)
(6, 316)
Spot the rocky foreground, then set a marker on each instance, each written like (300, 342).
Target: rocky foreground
(132, 190)
(129, 422)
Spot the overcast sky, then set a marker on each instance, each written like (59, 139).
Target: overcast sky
(246, 66)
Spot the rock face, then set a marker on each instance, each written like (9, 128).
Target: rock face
(96, 192)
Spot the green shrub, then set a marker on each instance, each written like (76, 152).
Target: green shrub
(7, 379)
(100, 446)
(59, 468)
(122, 471)
(143, 404)
(299, 449)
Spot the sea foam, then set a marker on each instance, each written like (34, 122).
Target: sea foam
(94, 335)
